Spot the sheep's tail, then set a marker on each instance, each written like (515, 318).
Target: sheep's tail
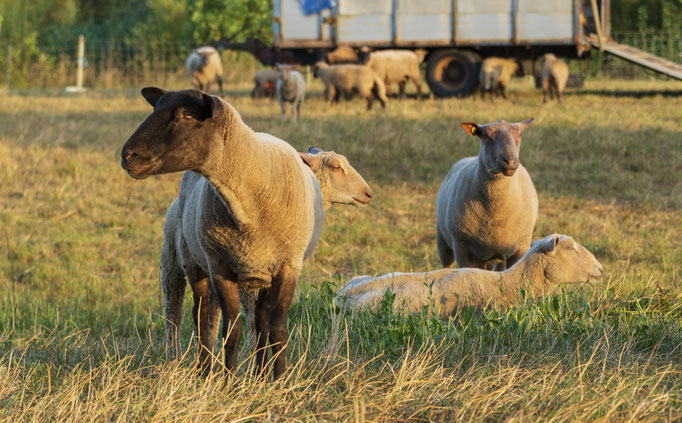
(379, 90)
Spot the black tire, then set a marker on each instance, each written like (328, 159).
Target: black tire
(452, 73)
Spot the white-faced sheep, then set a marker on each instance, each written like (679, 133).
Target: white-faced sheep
(264, 83)
(551, 261)
(290, 88)
(495, 75)
(554, 77)
(347, 79)
(396, 67)
(340, 184)
(204, 66)
(487, 205)
(247, 208)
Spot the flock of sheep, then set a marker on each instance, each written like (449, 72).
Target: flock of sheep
(251, 208)
(371, 80)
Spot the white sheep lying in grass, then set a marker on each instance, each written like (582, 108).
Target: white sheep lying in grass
(247, 211)
(204, 66)
(487, 205)
(551, 261)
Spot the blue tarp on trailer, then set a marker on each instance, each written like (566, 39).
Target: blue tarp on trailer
(316, 6)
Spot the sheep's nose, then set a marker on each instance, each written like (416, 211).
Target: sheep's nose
(127, 155)
(368, 194)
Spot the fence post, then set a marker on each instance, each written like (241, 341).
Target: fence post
(81, 63)
(9, 65)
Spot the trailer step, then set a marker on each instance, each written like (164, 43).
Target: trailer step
(642, 58)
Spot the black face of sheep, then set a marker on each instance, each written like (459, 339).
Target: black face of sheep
(500, 144)
(175, 137)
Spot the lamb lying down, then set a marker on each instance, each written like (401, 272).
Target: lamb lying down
(556, 259)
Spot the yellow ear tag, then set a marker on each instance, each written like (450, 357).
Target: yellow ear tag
(473, 130)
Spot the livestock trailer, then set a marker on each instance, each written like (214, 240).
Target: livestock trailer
(457, 34)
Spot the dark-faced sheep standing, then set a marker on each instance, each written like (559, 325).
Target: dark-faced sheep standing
(204, 66)
(247, 207)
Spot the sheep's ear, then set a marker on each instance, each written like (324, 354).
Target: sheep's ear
(471, 128)
(314, 161)
(523, 125)
(314, 150)
(550, 244)
(211, 105)
(152, 94)
(567, 242)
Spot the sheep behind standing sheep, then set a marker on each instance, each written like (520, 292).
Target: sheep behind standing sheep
(551, 261)
(495, 75)
(346, 79)
(246, 209)
(342, 54)
(554, 77)
(290, 88)
(487, 205)
(204, 66)
(396, 67)
(264, 83)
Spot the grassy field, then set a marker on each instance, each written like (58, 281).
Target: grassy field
(81, 329)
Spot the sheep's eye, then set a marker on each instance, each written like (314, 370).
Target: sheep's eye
(334, 167)
(187, 115)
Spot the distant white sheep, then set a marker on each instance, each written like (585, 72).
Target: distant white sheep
(495, 75)
(290, 88)
(551, 261)
(347, 79)
(247, 212)
(396, 67)
(487, 205)
(204, 66)
(554, 77)
(264, 83)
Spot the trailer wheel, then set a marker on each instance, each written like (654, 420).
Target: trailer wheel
(452, 72)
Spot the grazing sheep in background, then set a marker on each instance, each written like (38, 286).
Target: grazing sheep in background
(495, 75)
(204, 67)
(342, 54)
(264, 83)
(247, 211)
(396, 67)
(554, 77)
(556, 259)
(339, 183)
(346, 79)
(290, 88)
(487, 205)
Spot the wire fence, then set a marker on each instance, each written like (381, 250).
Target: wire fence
(112, 64)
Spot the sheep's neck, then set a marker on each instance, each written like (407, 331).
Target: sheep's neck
(520, 275)
(325, 187)
(238, 169)
(494, 188)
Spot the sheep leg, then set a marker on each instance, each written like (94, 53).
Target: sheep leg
(370, 100)
(225, 286)
(465, 258)
(247, 300)
(284, 110)
(418, 85)
(220, 85)
(208, 88)
(445, 253)
(271, 318)
(401, 89)
(173, 286)
(206, 316)
(504, 91)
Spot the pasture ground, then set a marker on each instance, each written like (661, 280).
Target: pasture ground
(81, 325)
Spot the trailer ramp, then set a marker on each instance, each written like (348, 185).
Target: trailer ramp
(642, 58)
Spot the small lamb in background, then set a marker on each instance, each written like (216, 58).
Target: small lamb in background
(290, 88)
(554, 77)
(204, 66)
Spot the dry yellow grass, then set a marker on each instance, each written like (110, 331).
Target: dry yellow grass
(80, 317)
